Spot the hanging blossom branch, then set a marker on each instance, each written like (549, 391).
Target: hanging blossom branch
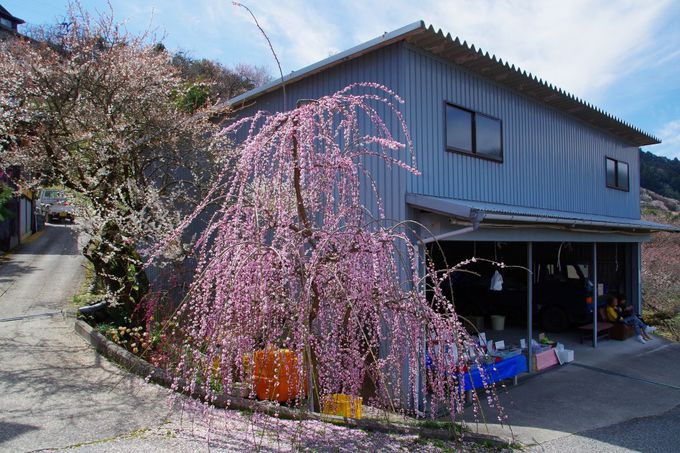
(292, 260)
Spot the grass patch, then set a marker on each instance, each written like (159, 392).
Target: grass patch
(667, 324)
(669, 328)
(465, 445)
(84, 295)
(85, 299)
(437, 443)
(105, 328)
(443, 425)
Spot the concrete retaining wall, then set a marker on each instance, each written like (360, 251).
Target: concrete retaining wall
(138, 366)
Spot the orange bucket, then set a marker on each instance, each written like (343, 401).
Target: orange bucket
(276, 375)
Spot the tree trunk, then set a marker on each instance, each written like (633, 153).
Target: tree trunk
(306, 230)
(118, 266)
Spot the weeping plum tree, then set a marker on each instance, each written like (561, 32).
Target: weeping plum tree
(292, 260)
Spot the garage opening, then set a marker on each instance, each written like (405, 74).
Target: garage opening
(566, 296)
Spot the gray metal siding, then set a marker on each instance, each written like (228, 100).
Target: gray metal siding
(551, 161)
(383, 66)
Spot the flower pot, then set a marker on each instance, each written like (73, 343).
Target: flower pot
(497, 322)
(276, 375)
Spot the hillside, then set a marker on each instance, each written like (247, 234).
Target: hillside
(651, 203)
(661, 265)
(660, 174)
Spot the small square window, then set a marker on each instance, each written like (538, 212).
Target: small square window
(458, 129)
(473, 133)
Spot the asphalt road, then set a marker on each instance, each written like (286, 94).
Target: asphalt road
(55, 391)
(655, 434)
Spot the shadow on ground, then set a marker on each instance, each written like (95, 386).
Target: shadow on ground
(9, 430)
(54, 240)
(10, 270)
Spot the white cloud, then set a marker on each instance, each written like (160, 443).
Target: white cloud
(580, 45)
(304, 33)
(623, 55)
(301, 33)
(669, 134)
(583, 46)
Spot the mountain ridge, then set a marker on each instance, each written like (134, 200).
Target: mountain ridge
(660, 174)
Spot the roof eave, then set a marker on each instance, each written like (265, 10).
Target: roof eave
(479, 62)
(349, 54)
(494, 68)
(577, 223)
(7, 15)
(468, 210)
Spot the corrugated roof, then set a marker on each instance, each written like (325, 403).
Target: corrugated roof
(7, 15)
(494, 212)
(479, 62)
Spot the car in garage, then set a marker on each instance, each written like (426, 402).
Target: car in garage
(562, 294)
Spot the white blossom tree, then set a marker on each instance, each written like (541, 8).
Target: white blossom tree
(103, 112)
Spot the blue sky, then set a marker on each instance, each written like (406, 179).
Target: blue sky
(621, 55)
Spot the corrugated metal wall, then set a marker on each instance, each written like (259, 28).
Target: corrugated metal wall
(383, 66)
(551, 160)
(25, 213)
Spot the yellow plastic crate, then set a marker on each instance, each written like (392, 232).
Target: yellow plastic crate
(342, 405)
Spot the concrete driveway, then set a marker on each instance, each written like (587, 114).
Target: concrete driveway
(54, 390)
(621, 396)
(657, 433)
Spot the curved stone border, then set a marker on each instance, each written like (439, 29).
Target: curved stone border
(140, 367)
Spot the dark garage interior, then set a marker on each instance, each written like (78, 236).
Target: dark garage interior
(562, 279)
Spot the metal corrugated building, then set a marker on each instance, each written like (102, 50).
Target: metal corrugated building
(551, 183)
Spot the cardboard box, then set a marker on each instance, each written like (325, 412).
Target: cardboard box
(565, 356)
(342, 405)
(545, 359)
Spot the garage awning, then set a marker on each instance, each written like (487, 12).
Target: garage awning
(478, 212)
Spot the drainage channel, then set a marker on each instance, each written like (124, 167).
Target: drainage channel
(37, 315)
(626, 376)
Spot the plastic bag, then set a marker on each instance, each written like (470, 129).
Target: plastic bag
(496, 282)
